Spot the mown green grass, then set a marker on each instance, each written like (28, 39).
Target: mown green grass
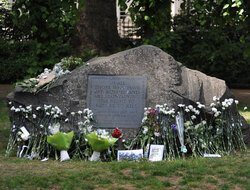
(219, 173)
(229, 172)
(4, 126)
(244, 113)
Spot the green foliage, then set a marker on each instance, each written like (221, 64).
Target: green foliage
(51, 20)
(212, 43)
(34, 36)
(70, 63)
(210, 36)
(232, 4)
(99, 144)
(15, 59)
(4, 116)
(150, 16)
(30, 84)
(4, 126)
(87, 54)
(48, 55)
(23, 58)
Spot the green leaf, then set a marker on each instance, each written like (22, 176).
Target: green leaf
(152, 3)
(239, 3)
(122, 4)
(225, 13)
(201, 16)
(203, 22)
(34, 28)
(61, 141)
(99, 144)
(43, 9)
(246, 53)
(52, 25)
(197, 6)
(242, 39)
(146, 18)
(241, 11)
(44, 34)
(226, 6)
(234, 5)
(44, 16)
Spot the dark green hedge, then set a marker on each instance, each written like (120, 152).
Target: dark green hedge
(20, 59)
(15, 60)
(210, 36)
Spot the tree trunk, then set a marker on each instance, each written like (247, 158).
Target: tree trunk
(97, 28)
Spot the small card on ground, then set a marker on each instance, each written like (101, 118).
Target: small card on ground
(212, 155)
(130, 155)
(156, 152)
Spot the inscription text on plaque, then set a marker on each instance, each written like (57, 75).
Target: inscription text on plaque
(117, 101)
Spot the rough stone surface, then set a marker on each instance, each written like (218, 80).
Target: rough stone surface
(168, 81)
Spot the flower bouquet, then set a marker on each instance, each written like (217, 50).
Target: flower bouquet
(117, 133)
(99, 141)
(62, 142)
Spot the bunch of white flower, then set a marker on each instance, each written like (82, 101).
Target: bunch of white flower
(181, 105)
(46, 71)
(47, 107)
(103, 134)
(215, 99)
(89, 113)
(228, 102)
(54, 128)
(199, 105)
(145, 130)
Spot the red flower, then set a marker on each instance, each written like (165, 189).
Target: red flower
(116, 133)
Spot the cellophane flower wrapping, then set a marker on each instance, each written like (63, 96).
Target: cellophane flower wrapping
(61, 141)
(100, 142)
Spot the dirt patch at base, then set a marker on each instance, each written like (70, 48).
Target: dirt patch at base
(172, 180)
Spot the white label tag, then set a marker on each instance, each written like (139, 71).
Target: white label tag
(212, 155)
(156, 152)
(25, 132)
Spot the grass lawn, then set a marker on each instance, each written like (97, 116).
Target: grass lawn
(244, 113)
(229, 172)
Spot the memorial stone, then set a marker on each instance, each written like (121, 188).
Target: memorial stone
(117, 101)
(168, 81)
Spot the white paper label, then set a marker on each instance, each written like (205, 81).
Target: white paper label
(212, 155)
(156, 152)
(25, 132)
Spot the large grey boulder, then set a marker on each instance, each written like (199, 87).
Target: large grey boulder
(168, 81)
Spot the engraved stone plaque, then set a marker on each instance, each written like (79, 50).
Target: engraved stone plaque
(117, 101)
